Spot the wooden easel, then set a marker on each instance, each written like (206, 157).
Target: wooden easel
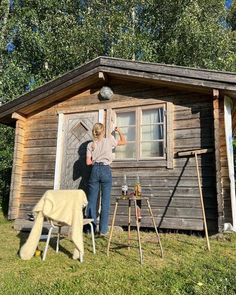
(195, 153)
(133, 199)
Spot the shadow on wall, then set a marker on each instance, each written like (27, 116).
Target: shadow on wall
(234, 148)
(80, 169)
(207, 166)
(173, 193)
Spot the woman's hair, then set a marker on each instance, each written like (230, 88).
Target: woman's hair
(98, 129)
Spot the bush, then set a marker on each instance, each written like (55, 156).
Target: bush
(6, 154)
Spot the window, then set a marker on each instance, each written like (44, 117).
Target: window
(145, 131)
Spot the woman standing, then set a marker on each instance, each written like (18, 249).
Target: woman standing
(99, 155)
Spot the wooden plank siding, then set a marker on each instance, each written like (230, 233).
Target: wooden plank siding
(39, 160)
(173, 192)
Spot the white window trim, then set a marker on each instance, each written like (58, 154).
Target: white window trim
(59, 151)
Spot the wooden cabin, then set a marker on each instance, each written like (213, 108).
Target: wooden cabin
(162, 109)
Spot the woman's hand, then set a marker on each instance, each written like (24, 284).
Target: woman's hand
(89, 161)
(122, 140)
(117, 129)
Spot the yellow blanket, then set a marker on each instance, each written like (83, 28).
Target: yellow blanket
(60, 205)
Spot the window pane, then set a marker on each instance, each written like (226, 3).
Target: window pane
(152, 116)
(125, 151)
(152, 149)
(129, 133)
(125, 119)
(152, 132)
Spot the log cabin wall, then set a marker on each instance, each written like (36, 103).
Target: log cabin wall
(173, 193)
(39, 159)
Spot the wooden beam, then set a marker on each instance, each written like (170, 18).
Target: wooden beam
(216, 93)
(115, 103)
(216, 115)
(170, 135)
(194, 152)
(17, 116)
(103, 77)
(170, 79)
(171, 70)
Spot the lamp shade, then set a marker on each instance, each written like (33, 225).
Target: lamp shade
(105, 93)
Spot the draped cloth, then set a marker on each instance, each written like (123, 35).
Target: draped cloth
(64, 206)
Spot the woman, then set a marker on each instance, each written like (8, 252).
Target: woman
(99, 155)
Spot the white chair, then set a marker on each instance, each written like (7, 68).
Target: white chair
(58, 226)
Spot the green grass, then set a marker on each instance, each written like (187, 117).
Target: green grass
(187, 267)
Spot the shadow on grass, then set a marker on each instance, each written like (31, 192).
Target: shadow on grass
(116, 247)
(23, 236)
(53, 243)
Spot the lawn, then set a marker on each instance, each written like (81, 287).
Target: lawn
(187, 267)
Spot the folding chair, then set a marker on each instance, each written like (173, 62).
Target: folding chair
(58, 226)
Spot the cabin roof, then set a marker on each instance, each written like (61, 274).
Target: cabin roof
(104, 67)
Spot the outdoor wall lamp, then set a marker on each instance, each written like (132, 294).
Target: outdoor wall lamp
(105, 93)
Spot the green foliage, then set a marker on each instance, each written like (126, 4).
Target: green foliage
(191, 33)
(232, 23)
(6, 151)
(232, 16)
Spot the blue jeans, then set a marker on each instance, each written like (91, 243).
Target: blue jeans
(100, 177)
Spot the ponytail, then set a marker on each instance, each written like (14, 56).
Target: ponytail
(97, 130)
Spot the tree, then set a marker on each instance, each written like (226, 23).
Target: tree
(232, 16)
(191, 33)
(4, 13)
(6, 134)
(43, 39)
(232, 24)
(117, 26)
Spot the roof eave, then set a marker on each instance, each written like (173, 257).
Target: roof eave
(175, 75)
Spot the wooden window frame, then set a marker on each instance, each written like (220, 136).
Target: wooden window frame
(167, 160)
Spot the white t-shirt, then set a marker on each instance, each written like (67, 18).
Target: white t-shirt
(101, 151)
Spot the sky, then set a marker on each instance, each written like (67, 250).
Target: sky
(228, 3)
